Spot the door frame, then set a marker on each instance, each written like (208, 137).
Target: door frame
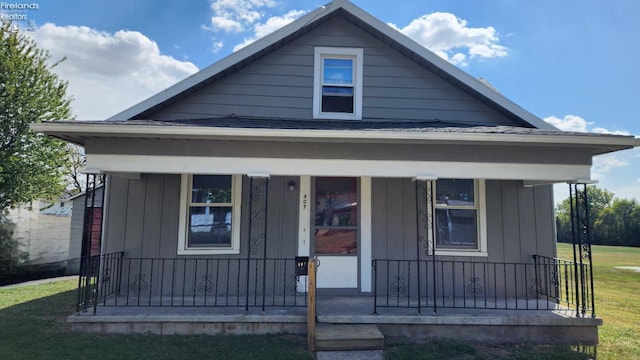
(364, 256)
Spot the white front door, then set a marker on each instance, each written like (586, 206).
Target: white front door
(335, 231)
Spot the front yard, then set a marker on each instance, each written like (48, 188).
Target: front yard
(32, 326)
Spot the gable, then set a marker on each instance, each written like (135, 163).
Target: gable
(280, 85)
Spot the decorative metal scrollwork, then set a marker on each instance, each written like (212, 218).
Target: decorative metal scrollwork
(295, 285)
(425, 216)
(206, 285)
(256, 217)
(106, 276)
(256, 241)
(474, 286)
(536, 289)
(139, 284)
(398, 287)
(257, 190)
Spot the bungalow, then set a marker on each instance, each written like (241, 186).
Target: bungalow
(418, 189)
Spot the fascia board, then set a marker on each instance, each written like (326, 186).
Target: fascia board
(194, 132)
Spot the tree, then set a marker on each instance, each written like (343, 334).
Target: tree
(612, 221)
(599, 199)
(32, 166)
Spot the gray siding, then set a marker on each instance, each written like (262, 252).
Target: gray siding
(143, 217)
(520, 221)
(519, 224)
(142, 221)
(280, 85)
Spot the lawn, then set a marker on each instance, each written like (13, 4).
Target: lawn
(617, 296)
(32, 326)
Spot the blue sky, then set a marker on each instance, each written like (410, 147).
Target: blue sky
(574, 64)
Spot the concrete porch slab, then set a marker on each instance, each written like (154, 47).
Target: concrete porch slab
(487, 325)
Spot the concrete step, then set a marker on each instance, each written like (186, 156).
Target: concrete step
(348, 337)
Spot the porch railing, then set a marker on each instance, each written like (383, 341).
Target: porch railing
(545, 284)
(571, 283)
(193, 282)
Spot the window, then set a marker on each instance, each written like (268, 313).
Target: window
(210, 214)
(459, 217)
(337, 83)
(336, 216)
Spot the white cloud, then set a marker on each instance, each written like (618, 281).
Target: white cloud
(272, 24)
(108, 72)
(217, 46)
(578, 124)
(237, 15)
(605, 164)
(451, 38)
(225, 24)
(568, 123)
(605, 131)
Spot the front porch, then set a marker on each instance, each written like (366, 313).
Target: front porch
(537, 302)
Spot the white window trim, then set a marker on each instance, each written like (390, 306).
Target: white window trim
(183, 244)
(481, 230)
(321, 52)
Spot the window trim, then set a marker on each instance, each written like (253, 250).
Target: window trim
(236, 200)
(339, 53)
(481, 231)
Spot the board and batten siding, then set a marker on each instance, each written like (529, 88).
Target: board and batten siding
(143, 216)
(520, 221)
(280, 85)
(142, 222)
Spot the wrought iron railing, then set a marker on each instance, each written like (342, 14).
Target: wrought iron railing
(545, 284)
(571, 283)
(90, 288)
(193, 282)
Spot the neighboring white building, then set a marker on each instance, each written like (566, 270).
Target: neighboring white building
(43, 229)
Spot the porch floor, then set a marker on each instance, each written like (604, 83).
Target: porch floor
(330, 305)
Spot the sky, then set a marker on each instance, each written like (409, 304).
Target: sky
(572, 63)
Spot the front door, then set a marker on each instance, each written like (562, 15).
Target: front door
(335, 231)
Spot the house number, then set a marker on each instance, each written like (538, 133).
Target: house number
(304, 202)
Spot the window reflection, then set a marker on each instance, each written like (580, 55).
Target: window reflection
(458, 192)
(336, 242)
(336, 216)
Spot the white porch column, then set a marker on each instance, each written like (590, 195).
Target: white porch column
(365, 234)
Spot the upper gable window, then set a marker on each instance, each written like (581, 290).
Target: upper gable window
(337, 83)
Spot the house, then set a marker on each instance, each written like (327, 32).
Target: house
(42, 229)
(418, 188)
(51, 233)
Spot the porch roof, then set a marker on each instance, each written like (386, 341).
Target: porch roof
(372, 131)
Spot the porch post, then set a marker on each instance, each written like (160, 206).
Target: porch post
(580, 231)
(256, 216)
(424, 233)
(90, 263)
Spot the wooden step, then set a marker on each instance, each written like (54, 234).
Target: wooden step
(348, 337)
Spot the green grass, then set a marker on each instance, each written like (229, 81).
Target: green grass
(617, 298)
(33, 326)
